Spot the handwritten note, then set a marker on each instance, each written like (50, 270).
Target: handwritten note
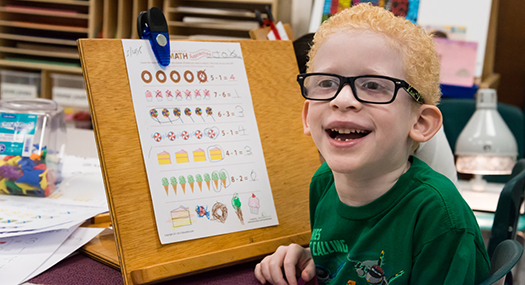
(200, 141)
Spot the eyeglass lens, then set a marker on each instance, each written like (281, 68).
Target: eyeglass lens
(368, 88)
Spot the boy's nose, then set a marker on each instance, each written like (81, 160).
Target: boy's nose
(346, 99)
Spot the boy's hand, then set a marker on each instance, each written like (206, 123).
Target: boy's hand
(294, 260)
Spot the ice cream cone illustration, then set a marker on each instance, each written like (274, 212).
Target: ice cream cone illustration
(173, 181)
(222, 175)
(182, 182)
(166, 184)
(191, 181)
(198, 178)
(236, 204)
(215, 178)
(207, 179)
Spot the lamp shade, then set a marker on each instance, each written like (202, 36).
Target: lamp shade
(486, 144)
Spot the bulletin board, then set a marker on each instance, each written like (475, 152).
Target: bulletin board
(291, 159)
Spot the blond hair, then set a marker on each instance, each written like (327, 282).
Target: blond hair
(421, 64)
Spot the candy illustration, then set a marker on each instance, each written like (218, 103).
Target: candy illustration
(157, 137)
(171, 136)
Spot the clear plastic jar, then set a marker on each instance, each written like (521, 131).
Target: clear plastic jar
(32, 144)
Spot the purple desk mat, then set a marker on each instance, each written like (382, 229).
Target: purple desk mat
(80, 269)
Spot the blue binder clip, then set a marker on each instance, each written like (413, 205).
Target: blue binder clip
(152, 25)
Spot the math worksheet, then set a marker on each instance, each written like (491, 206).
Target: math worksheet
(200, 141)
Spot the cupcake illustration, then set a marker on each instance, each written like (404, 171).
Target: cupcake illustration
(253, 203)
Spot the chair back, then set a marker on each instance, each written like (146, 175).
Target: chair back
(508, 209)
(505, 257)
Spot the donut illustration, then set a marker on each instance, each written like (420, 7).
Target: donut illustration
(146, 76)
(161, 76)
(188, 76)
(175, 79)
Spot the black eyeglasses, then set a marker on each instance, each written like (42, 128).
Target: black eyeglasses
(375, 89)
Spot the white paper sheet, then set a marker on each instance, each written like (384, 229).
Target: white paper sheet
(78, 238)
(21, 255)
(200, 141)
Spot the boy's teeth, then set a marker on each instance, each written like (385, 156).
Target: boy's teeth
(347, 131)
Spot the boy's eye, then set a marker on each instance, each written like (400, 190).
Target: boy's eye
(328, 83)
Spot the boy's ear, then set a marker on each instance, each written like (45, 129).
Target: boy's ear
(306, 128)
(428, 123)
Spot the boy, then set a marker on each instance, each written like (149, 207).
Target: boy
(378, 214)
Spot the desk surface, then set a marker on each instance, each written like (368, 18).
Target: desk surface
(485, 200)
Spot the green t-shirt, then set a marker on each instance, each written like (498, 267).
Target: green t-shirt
(420, 232)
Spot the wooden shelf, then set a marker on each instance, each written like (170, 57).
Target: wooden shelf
(230, 18)
(42, 34)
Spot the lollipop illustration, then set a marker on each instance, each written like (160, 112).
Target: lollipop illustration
(178, 95)
(188, 94)
(169, 96)
(176, 113)
(187, 112)
(198, 112)
(166, 113)
(154, 114)
(209, 112)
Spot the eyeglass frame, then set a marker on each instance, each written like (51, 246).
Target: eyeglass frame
(350, 80)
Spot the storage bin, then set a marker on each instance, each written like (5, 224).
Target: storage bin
(70, 92)
(32, 144)
(19, 84)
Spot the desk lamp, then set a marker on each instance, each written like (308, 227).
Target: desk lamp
(486, 144)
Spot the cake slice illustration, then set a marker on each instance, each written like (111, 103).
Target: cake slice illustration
(182, 182)
(215, 154)
(166, 184)
(191, 181)
(180, 217)
(164, 158)
(182, 156)
(236, 204)
(207, 179)
(253, 203)
(199, 155)
(173, 182)
(198, 178)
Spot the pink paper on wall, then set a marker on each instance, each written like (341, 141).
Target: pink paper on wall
(458, 61)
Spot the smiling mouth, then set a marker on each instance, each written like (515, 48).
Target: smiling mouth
(346, 134)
